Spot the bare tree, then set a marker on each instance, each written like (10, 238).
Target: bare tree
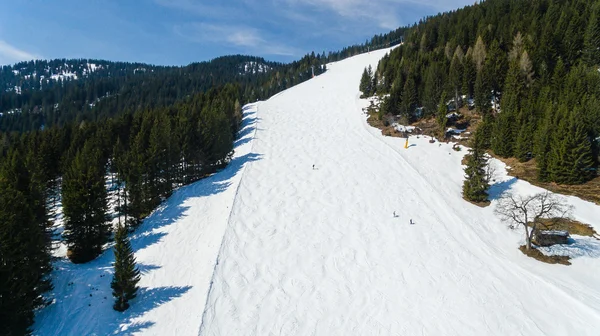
(527, 211)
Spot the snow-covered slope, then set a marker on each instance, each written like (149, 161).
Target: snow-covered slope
(318, 252)
(270, 246)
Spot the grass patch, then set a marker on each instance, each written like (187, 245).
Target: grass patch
(537, 255)
(589, 191)
(569, 225)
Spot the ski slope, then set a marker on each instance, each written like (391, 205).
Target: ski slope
(318, 252)
(269, 246)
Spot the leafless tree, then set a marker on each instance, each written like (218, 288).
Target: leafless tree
(527, 211)
(490, 172)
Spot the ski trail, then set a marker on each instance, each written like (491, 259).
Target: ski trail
(255, 109)
(318, 252)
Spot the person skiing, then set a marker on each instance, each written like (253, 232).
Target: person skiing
(313, 167)
(395, 214)
(411, 222)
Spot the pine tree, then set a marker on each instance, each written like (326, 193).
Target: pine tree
(572, 155)
(542, 143)
(591, 44)
(127, 275)
(365, 83)
(456, 73)
(524, 142)
(85, 205)
(497, 66)
(441, 116)
(482, 92)
(476, 182)
(469, 77)
(409, 99)
(24, 247)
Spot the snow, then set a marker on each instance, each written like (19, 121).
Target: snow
(92, 67)
(254, 67)
(402, 128)
(270, 246)
(63, 76)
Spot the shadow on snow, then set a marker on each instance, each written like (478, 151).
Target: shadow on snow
(498, 189)
(88, 285)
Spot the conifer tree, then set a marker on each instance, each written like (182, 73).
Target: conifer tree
(572, 155)
(469, 76)
(24, 247)
(482, 92)
(85, 205)
(127, 275)
(434, 83)
(542, 143)
(591, 44)
(497, 66)
(365, 83)
(409, 99)
(476, 182)
(441, 116)
(215, 136)
(456, 73)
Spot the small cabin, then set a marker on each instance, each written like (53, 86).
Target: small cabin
(551, 237)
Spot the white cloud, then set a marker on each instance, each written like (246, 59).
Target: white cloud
(248, 39)
(384, 13)
(11, 54)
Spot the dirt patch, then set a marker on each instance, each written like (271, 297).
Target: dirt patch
(537, 255)
(374, 121)
(528, 171)
(479, 204)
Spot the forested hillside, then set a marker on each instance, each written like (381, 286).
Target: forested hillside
(531, 67)
(66, 125)
(48, 93)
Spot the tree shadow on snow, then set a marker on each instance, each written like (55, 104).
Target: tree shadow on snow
(147, 299)
(498, 189)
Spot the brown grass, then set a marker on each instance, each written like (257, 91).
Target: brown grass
(537, 255)
(374, 121)
(569, 225)
(589, 191)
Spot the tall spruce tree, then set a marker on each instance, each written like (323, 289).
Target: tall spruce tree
(365, 83)
(24, 247)
(127, 275)
(476, 181)
(591, 44)
(441, 116)
(85, 205)
(572, 156)
(456, 74)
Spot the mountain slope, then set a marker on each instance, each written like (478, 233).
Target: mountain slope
(271, 246)
(319, 252)
(176, 249)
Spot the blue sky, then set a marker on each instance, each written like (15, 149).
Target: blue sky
(177, 32)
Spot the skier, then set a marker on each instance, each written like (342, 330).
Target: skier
(395, 214)
(313, 167)
(411, 222)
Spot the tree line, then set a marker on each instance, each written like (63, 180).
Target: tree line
(150, 152)
(531, 68)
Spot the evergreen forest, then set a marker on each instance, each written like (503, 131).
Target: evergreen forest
(530, 67)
